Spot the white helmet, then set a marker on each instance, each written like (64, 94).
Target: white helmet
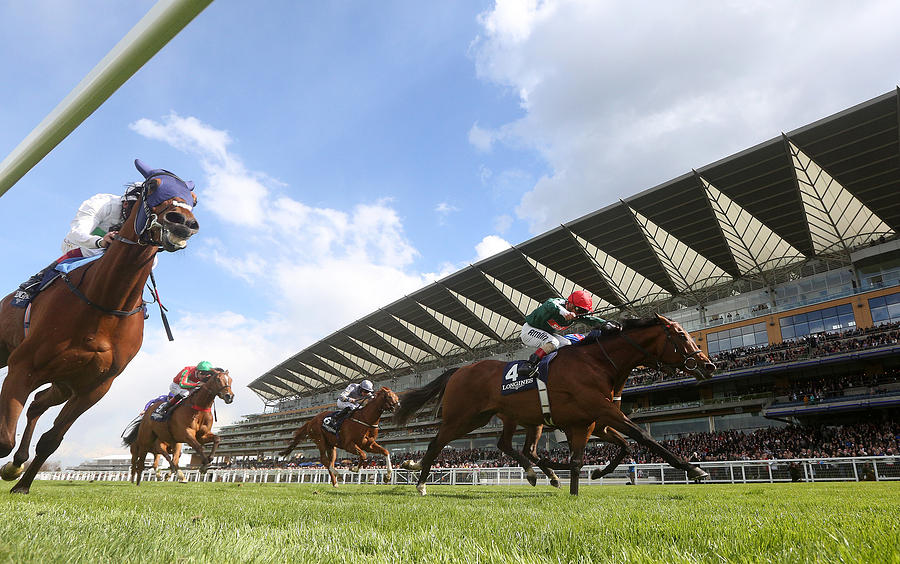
(367, 386)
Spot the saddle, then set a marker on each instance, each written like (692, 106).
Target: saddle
(29, 289)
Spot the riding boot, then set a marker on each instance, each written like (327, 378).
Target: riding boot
(530, 366)
(159, 414)
(33, 284)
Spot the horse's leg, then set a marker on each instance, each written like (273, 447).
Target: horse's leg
(529, 449)
(328, 459)
(13, 396)
(627, 427)
(610, 435)
(446, 433)
(51, 440)
(578, 437)
(376, 448)
(176, 459)
(505, 446)
(361, 457)
(43, 400)
(215, 444)
(191, 440)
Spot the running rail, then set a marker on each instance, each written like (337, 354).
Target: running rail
(163, 22)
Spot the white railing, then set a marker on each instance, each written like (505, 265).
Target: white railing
(879, 468)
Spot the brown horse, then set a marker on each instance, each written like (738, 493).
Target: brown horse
(357, 434)
(190, 422)
(85, 329)
(583, 381)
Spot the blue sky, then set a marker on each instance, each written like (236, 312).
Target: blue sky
(348, 153)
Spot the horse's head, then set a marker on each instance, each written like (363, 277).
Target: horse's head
(220, 385)
(680, 351)
(165, 214)
(391, 401)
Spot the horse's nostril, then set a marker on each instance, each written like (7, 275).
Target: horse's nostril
(193, 225)
(174, 218)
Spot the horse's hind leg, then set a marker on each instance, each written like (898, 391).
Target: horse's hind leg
(578, 437)
(610, 435)
(446, 433)
(628, 428)
(529, 449)
(43, 400)
(505, 446)
(51, 440)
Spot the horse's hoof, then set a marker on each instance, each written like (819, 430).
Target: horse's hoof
(10, 471)
(554, 482)
(421, 488)
(531, 476)
(409, 465)
(19, 489)
(696, 474)
(596, 474)
(354, 469)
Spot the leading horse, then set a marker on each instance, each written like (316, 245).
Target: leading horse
(357, 434)
(85, 329)
(583, 381)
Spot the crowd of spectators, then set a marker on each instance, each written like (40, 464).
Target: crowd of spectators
(818, 389)
(821, 441)
(810, 346)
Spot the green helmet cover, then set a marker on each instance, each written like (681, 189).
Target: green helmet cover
(204, 366)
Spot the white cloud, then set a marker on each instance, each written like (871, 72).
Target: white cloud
(502, 223)
(490, 246)
(481, 139)
(619, 98)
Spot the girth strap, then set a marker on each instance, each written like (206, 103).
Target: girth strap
(355, 420)
(545, 400)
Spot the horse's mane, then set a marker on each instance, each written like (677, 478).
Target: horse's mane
(627, 324)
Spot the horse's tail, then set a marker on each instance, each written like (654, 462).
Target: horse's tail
(412, 400)
(299, 435)
(129, 435)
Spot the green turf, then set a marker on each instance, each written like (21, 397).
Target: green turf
(166, 522)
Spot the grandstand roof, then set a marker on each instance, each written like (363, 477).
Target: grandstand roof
(814, 192)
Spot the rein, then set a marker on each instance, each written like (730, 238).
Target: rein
(116, 312)
(689, 360)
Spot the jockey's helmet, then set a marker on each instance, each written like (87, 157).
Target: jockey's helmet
(204, 366)
(366, 385)
(582, 301)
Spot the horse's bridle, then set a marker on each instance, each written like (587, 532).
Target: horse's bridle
(689, 362)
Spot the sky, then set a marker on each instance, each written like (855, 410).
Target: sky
(349, 153)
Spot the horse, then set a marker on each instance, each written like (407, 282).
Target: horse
(583, 381)
(84, 330)
(357, 434)
(189, 422)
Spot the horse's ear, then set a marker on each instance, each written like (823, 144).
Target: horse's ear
(195, 199)
(142, 168)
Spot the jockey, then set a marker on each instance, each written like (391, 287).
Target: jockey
(185, 382)
(353, 397)
(542, 325)
(94, 227)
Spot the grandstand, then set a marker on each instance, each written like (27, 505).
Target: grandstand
(782, 261)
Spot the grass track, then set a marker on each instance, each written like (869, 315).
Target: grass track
(157, 522)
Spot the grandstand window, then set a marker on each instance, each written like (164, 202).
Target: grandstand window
(826, 320)
(885, 309)
(746, 336)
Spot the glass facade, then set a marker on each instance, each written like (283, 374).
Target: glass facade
(885, 309)
(838, 318)
(746, 336)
